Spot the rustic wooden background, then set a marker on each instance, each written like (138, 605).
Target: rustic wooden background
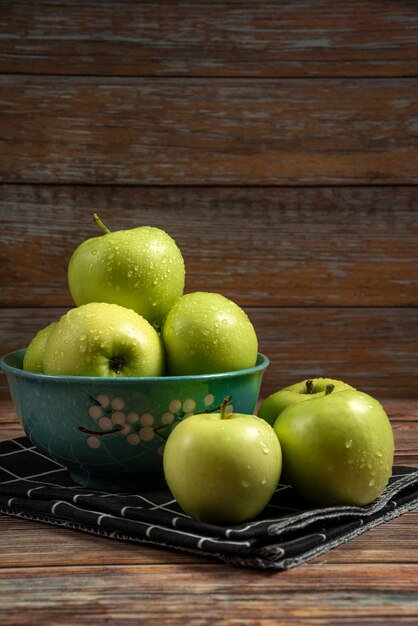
(276, 142)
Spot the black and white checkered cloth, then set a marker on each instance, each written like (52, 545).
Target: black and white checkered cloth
(286, 534)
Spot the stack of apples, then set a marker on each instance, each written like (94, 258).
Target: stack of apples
(131, 319)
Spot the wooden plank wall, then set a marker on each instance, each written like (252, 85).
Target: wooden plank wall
(276, 142)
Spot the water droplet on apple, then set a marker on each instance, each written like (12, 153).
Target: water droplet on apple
(94, 252)
(371, 482)
(348, 443)
(83, 337)
(263, 482)
(264, 447)
(379, 453)
(245, 484)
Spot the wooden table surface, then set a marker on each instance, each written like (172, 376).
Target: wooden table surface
(277, 143)
(52, 575)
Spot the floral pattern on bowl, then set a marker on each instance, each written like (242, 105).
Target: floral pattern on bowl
(110, 415)
(110, 432)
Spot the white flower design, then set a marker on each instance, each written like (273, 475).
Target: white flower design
(110, 416)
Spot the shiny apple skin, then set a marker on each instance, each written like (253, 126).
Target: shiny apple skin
(222, 471)
(274, 404)
(140, 269)
(337, 449)
(206, 333)
(102, 339)
(33, 360)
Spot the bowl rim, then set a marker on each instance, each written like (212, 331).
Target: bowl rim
(262, 363)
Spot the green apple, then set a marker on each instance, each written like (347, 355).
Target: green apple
(101, 339)
(141, 269)
(338, 448)
(205, 333)
(222, 467)
(33, 360)
(308, 389)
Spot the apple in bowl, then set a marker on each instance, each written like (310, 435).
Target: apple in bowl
(101, 339)
(110, 431)
(141, 269)
(34, 355)
(205, 333)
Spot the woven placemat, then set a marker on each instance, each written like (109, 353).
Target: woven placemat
(287, 533)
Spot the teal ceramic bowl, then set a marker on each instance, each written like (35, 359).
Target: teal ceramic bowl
(110, 432)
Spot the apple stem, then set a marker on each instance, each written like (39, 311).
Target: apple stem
(225, 402)
(329, 389)
(309, 386)
(99, 223)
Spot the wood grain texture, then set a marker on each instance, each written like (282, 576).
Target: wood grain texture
(269, 246)
(277, 142)
(209, 594)
(358, 345)
(232, 38)
(57, 576)
(194, 131)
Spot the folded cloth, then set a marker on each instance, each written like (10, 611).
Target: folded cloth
(287, 533)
